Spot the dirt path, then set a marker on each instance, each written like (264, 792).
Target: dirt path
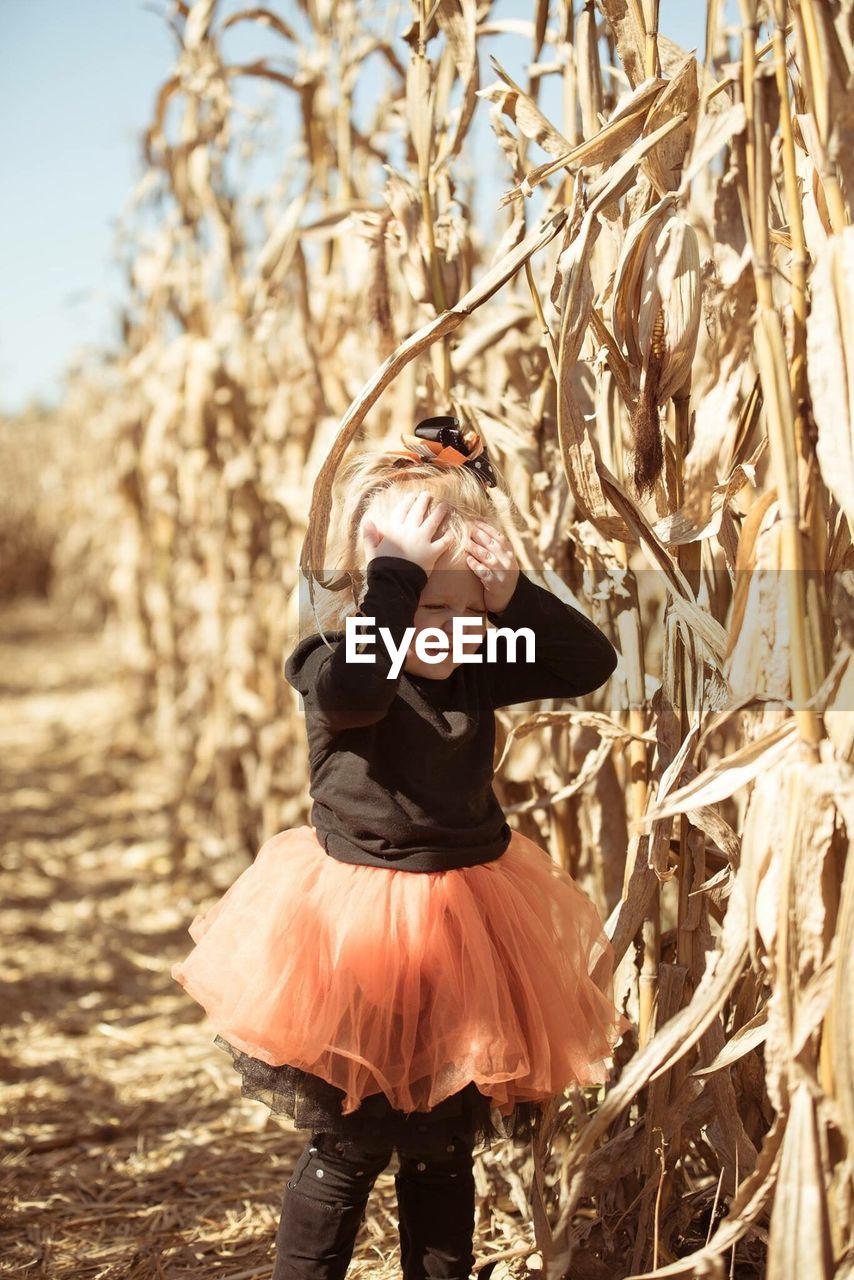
(127, 1149)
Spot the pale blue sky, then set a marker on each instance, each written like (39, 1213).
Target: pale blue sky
(80, 80)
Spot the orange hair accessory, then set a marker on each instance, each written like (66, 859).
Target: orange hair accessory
(441, 440)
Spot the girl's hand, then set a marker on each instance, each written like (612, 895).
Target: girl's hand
(490, 556)
(409, 530)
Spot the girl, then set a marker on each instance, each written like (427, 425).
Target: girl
(407, 973)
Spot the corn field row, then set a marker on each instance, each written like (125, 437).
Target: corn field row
(661, 360)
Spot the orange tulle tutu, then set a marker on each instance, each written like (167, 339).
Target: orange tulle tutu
(409, 983)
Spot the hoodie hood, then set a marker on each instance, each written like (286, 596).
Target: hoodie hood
(299, 667)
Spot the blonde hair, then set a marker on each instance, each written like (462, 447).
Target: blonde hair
(371, 480)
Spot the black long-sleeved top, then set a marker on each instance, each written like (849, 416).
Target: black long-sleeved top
(401, 769)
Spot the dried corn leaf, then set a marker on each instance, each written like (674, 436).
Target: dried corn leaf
(830, 365)
(799, 1238)
(458, 21)
(524, 112)
(725, 777)
(623, 129)
(748, 1037)
(663, 165)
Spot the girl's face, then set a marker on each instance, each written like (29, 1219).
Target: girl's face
(451, 591)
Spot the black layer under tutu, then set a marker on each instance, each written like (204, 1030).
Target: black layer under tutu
(315, 1104)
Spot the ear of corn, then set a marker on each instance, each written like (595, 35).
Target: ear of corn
(656, 310)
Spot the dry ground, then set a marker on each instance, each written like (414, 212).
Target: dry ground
(127, 1150)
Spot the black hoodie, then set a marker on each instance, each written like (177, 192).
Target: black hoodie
(401, 769)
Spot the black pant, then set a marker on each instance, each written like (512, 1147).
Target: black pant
(325, 1200)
